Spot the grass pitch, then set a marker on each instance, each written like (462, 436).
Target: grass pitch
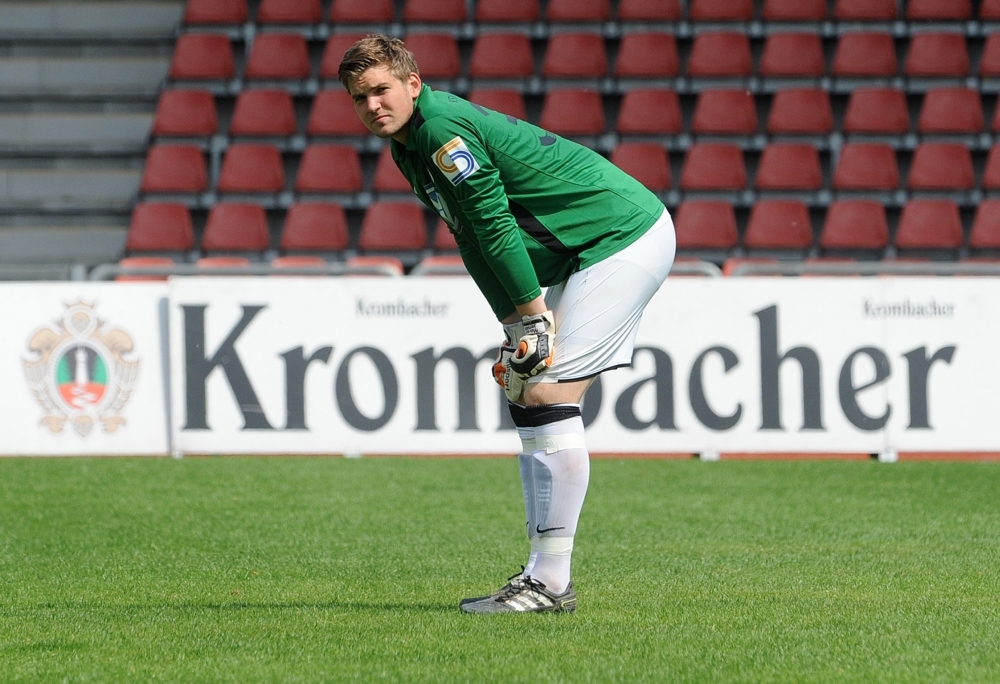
(321, 570)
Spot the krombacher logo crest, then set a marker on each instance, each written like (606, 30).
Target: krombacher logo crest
(78, 371)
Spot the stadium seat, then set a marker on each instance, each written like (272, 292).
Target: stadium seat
(705, 224)
(142, 262)
(865, 55)
(985, 232)
(278, 56)
(372, 265)
(789, 166)
(174, 168)
(236, 227)
(989, 10)
(159, 227)
(578, 11)
(991, 173)
(938, 10)
(333, 52)
(951, 110)
(855, 225)
(222, 261)
(793, 55)
(778, 224)
(800, 111)
(880, 111)
(263, 112)
(501, 55)
(314, 227)
(434, 11)
(649, 11)
(865, 10)
(362, 11)
(329, 168)
(507, 11)
(388, 177)
(929, 224)
(647, 54)
(649, 111)
(290, 261)
(866, 166)
(444, 239)
(721, 10)
(202, 57)
(332, 114)
(185, 113)
(251, 168)
(290, 12)
(393, 226)
(941, 166)
(937, 55)
(724, 112)
(794, 10)
(215, 12)
(575, 55)
(572, 111)
(713, 166)
(436, 53)
(503, 100)
(718, 54)
(646, 162)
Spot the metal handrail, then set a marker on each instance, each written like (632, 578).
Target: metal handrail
(333, 268)
(867, 268)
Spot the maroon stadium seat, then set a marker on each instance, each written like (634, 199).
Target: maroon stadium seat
(789, 166)
(185, 113)
(939, 10)
(314, 227)
(329, 168)
(793, 55)
(991, 173)
(572, 111)
(937, 55)
(332, 114)
(388, 177)
(575, 55)
(951, 110)
(251, 168)
(263, 112)
(503, 100)
(865, 54)
(236, 227)
(649, 111)
(649, 11)
(578, 10)
(800, 111)
(877, 110)
(705, 224)
(202, 57)
(278, 56)
(794, 10)
(647, 54)
(866, 166)
(393, 226)
(362, 11)
(436, 53)
(333, 53)
(778, 224)
(174, 168)
(646, 162)
(941, 166)
(716, 54)
(865, 10)
(160, 227)
(215, 12)
(985, 232)
(507, 11)
(725, 112)
(501, 55)
(434, 11)
(721, 10)
(929, 224)
(855, 224)
(290, 12)
(713, 166)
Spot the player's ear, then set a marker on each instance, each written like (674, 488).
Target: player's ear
(413, 84)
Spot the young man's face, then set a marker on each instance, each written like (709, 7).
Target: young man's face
(384, 103)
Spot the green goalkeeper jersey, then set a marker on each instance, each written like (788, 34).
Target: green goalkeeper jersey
(527, 207)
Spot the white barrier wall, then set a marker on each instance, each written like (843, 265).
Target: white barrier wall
(383, 365)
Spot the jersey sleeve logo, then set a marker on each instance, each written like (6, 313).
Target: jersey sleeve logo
(455, 161)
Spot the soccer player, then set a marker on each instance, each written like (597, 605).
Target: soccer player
(528, 210)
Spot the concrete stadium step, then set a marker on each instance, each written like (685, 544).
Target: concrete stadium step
(82, 77)
(125, 20)
(62, 133)
(68, 190)
(73, 244)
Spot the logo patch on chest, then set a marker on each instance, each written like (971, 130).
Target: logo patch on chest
(455, 161)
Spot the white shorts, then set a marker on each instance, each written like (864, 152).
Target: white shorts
(598, 309)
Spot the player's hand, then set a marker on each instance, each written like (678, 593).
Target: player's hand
(511, 382)
(536, 346)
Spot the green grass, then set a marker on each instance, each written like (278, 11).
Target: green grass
(320, 569)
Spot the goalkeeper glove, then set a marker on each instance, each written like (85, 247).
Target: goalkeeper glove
(511, 382)
(536, 346)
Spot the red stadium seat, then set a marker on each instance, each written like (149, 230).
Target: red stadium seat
(142, 262)
(507, 11)
(991, 174)
(941, 166)
(222, 261)
(578, 10)
(721, 10)
(865, 10)
(716, 54)
(434, 11)
(298, 261)
(314, 227)
(501, 100)
(393, 226)
(333, 114)
(174, 168)
(793, 55)
(575, 55)
(985, 232)
(647, 54)
(778, 224)
(789, 166)
(185, 113)
(951, 110)
(646, 162)
(713, 166)
(436, 53)
(865, 54)
(855, 224)
(388, 177)
(929, 224)
(939, 10)
(329, 168)
(251, 168)
(263, 112)
(202, 57)
(501, 55)
(800, 111)
(215, 12)
(444, 240)
(937, 55)
(290, 12)
(794, 10)
(649, 111)
(333, 53)
(363, 265)
(572, 111)
(362, 11)
(160, 227)
(278, 56)
(705, 224)
(989, 62)
(866, 166)
(236, 227)
(989, 10)
(725, 112)
(877, 110)
(649, 11)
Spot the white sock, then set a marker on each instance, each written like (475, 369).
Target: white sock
(527, 435)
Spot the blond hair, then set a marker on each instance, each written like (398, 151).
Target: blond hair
(373, 51)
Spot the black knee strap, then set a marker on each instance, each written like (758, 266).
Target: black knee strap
(550, 413)
(519, 415)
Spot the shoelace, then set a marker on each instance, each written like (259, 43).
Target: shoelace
(512, 589)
